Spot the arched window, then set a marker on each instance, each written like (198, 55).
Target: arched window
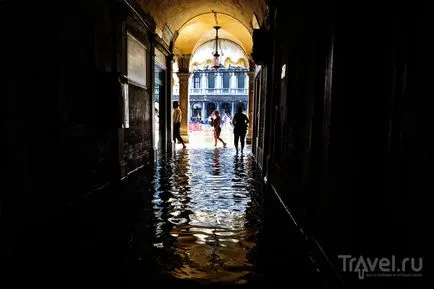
(210, 107)
(197, 111)
(225, 108)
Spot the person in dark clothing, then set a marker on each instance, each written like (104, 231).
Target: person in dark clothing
(240, 122)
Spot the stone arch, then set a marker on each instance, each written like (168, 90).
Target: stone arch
(225, 107)
(210, 107)
(196, 111)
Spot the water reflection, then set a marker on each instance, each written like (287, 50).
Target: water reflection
(204, 222)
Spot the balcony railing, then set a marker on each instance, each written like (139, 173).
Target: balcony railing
(214, 91)
(219, 91)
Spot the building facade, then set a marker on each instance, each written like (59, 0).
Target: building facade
(210, 89)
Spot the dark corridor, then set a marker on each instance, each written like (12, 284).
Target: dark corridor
(339, 164)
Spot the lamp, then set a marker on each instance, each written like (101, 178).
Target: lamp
(216, 54)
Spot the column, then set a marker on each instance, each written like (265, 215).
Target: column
(251, 75)
(203, 83)
(189, 110)
(233, 81)
(184, 75)
(183, 103)
(233, 108)
(218, 81)
(203, 114)
(246, 81)
(217, 107)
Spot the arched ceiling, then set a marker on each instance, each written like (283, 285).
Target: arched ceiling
(193, 20)
(223, 35)
(200, 29)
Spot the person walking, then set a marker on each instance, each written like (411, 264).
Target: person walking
(177, 116)
(240, 122)
(217, 128)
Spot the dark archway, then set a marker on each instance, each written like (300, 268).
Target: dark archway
(226, 108)
(196, 109)
(210, 107)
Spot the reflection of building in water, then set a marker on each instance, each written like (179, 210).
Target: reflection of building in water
(211, 253)
(210, 89)
(216, 238)
(205, 229)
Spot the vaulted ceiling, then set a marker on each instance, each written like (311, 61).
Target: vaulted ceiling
(193, 20)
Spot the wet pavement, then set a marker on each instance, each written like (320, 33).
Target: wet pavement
(206, 217)
(195, 219)
(205, 208)
(202, 222)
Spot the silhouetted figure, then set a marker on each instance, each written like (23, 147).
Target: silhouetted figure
(217, 128)
(240, 122)
(177, 115)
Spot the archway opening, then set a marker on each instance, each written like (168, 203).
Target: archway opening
(210, 89)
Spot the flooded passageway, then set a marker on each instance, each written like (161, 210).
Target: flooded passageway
(198, 218)
(207, 215)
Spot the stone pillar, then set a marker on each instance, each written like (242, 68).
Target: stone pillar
(183, 103)
(189, 110)
(203, 81)
(233, 83)
(233, 108)
(217, 107)
(184, 76)
(250, 105)
(218, 81)
(246, 81)
(204, 116)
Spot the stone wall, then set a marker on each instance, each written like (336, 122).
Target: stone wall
(65, 96)
(340, 128)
